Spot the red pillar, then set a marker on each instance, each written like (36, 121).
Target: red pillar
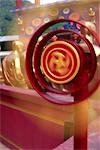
(81, 118)
(81, 126)
(18, 4)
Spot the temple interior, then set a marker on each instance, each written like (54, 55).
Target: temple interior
(50, 75)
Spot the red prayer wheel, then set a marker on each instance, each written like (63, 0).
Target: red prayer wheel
(61, 60)
(67, 59)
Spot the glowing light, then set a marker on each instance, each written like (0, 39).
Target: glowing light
(49, 1)
(46, 1)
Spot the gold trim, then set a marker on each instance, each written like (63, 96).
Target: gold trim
(53, 12)
(64, 75)
(51, 72)
(29, 30)
(10, 142)
(59, 122)
(35, 20)
(77, 58)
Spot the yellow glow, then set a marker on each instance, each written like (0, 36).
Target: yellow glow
(46, 1)
(17, 63)
(49, 1)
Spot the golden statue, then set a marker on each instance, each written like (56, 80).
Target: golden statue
(1, 75)
(14, 66)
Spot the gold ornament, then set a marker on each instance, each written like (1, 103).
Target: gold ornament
(12, 66)
(1, 75)
(91, 12)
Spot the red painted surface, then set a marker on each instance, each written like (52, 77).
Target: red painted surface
(25, 130)
(33, 76)
(18, 4)
(59, 62)
(28, 131)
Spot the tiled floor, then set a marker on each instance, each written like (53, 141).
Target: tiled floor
(3, 147)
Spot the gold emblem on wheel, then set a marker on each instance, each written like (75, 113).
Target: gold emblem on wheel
(59, 63)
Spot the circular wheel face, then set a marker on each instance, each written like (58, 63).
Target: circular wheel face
(36, 22)
(74, 16)
(29, 30)
(66, 11)
(60, 62)
(53, 12)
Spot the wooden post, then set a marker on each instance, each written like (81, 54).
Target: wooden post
(81, 116)
(81, 126)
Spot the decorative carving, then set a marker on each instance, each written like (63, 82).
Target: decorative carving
(12, 66)
(62, 65)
